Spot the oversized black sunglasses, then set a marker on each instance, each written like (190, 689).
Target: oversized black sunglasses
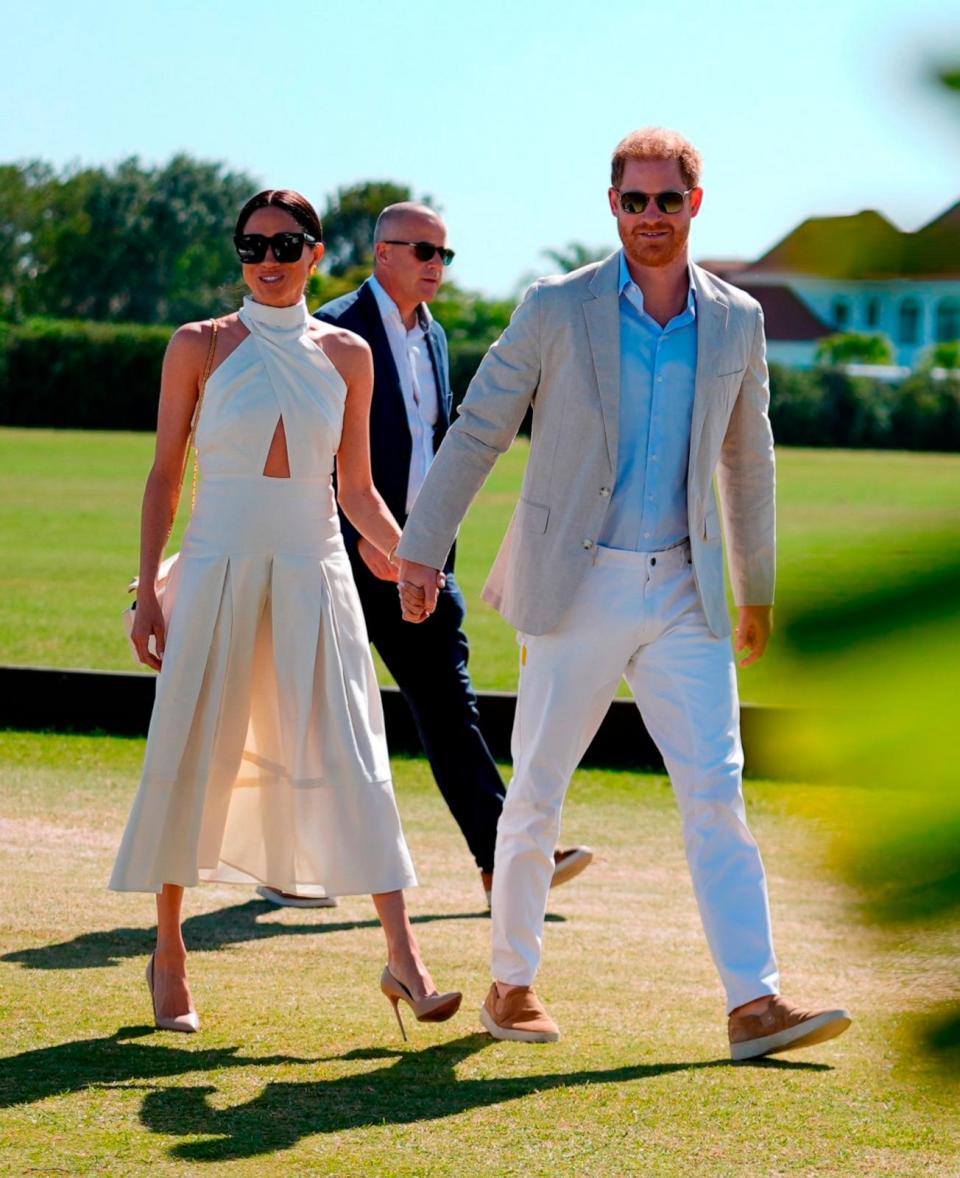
(423, 251)
(667, 202)
(287, 247)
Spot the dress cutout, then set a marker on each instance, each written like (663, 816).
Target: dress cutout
(266, 760)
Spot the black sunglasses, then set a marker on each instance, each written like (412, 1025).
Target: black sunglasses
(423, 251)
(287, 247)
(667, 202)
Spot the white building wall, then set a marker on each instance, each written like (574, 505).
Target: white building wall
(792, 353)
(821, 296)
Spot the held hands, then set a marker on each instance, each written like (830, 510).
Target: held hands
(379, 564)
(754, 627)
(149, 632)
(419, 586)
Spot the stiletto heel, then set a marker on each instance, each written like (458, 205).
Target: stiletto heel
(188, 1023)
(434, 1008)
(395, 1003)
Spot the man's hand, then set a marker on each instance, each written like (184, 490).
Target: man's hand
(754, 627)
(419, 586)
(376, 562)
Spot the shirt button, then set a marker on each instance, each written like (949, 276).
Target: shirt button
(659, 380)
(588, 544)
(646, 535)
(605, 492)
(653, 458)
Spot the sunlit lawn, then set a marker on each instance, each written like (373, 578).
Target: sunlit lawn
(299, 1068)
(69, 509)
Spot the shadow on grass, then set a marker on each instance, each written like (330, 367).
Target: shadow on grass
(415, 1086)
(114, 1059)
(204, 933)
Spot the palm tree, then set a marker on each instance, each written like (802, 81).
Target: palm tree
(574, 255)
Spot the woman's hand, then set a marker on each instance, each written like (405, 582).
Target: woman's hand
(380, 565)
(419, 587)
(149, 630)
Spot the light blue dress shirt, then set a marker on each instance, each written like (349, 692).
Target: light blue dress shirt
(658, 367)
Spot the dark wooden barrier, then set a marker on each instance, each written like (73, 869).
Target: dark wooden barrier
(118, 703)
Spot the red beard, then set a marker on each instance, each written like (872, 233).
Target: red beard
(656, 251)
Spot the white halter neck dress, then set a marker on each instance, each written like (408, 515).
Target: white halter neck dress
(266, 760)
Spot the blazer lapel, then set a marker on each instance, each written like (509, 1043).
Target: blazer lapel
(712, 313)
(602, 312)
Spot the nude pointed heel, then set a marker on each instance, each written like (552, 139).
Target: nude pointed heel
(434, 1008)
(189, 1023)
(395, 1003)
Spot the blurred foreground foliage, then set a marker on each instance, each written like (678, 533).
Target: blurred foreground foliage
(885, 670)
(878, 683)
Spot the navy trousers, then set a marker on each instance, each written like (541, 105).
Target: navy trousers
(429, 663)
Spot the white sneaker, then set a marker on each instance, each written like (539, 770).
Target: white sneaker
(288, 900)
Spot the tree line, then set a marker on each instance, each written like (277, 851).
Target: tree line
(152, 245)
(97, 263)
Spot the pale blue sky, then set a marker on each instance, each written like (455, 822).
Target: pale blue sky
(506, 111)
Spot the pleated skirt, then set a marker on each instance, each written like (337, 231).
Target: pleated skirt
(266, 758)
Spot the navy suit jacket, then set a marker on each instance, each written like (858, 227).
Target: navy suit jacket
(390, 442)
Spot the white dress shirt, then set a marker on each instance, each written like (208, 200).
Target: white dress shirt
(411, 354)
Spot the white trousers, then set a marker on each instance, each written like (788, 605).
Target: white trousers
(636, 615)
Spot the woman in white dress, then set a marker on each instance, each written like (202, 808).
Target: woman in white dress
(266, 760)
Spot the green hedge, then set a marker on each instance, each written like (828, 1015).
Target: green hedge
(464, 362)
(74, 374)
(829, 408)
(85, 375)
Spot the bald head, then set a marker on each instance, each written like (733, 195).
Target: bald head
(405, 218)
(401, 232)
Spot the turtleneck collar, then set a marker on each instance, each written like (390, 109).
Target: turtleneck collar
(278, 318)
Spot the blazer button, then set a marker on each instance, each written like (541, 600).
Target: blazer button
(588, 544)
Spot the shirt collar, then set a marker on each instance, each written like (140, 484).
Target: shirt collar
(626, 283)
(391, 312)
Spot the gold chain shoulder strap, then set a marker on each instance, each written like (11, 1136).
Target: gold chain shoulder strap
(215, 327)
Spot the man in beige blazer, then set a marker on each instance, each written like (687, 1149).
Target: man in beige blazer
(647, 379)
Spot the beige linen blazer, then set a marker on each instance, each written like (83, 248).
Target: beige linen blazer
(561, 353)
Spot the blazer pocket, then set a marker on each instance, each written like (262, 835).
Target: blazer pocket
(534, 516)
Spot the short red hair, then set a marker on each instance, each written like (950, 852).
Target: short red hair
(657, 143)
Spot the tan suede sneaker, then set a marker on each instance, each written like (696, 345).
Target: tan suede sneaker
(782, 1027)
(521, 1015)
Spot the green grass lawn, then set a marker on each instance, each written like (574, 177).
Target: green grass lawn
(69, 520)
(299, 1068)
